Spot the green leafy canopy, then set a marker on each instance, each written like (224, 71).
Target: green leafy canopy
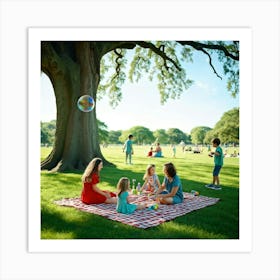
(164, 61)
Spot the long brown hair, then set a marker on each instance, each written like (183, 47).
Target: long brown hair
(148, 173)
(91, 168)
(170, 169)
(123, 185)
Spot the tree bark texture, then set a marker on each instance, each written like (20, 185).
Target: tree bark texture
(74, 70)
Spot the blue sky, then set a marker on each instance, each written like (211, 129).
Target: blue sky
(202, 104)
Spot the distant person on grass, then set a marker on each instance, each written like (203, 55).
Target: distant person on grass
(158, 151)
(183, 145)
(150, 153)
(123, 205)
(218, 160)
(174, 151)
(91, 194)
(128, 149)
(171, 191)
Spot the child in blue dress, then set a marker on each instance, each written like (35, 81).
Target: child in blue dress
(123, 206)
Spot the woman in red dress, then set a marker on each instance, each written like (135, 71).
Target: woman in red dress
(91, 194)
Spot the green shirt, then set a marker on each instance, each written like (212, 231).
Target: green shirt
(219, 160)
(128, 146)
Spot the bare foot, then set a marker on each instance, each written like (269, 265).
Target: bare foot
(141, 206)
(112, 200)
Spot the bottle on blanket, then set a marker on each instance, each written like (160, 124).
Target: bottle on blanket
(138, 188)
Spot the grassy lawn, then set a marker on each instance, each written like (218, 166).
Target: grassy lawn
(220, 221)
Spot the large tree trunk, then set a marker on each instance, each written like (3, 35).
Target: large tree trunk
(74, 70)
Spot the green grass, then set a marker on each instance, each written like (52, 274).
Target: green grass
(220, 221)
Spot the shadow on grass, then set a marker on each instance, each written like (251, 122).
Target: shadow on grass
(218, 221)
(83, 225)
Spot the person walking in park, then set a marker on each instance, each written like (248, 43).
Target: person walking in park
(123, 205)
(218, 161)
(128, 149)
(174, 151)
(183, 145)
(171, 191)
(91, 193)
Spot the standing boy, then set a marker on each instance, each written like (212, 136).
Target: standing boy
(218, 160)
(127, 147)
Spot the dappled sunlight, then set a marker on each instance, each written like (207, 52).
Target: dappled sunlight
(189, 231)
(77, 138)
(51, 234)
(195, 170)
(45, 151)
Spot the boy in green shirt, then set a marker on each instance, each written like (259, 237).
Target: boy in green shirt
(219, 161)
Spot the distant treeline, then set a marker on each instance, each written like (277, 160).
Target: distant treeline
(227, 129)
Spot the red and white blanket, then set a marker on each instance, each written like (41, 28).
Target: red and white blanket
(142, 218)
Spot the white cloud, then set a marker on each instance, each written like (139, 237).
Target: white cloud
(201, 85)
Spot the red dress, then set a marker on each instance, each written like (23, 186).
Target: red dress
(89, 196)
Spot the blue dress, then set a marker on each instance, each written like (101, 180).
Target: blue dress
(158, 154)
(123, 206)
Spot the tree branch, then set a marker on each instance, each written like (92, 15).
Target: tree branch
(118, 67)
(158, 51)
(210, 62)
(107, 46)
(199, 46)
(49, 59)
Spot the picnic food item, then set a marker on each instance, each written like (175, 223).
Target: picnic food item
(138, 188)
(195, 193)
(153, 207)
(141, 219)
(134, 191)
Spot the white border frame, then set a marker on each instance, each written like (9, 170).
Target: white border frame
(262, 16)
(244, 243)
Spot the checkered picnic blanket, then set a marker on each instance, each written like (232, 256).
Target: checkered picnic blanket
(142, 218)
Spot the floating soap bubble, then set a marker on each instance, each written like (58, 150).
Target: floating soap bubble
(85, 103)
